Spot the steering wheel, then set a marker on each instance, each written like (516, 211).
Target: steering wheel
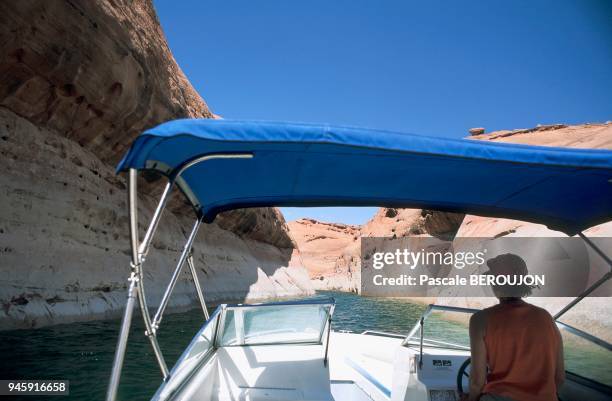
(463, 371)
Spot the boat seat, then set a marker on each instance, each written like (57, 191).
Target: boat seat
(272, 372)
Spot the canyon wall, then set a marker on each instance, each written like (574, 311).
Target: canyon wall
(79, 81)
(331, 252)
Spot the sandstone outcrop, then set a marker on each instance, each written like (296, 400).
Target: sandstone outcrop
(329, 251)
(588, 136)
(79, 81)
(390, 222)
(476, 131)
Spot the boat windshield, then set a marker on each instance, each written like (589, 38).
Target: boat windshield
(442, 326)
(586, 355)
(287, 323)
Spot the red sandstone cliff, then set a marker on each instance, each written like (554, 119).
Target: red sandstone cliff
(331, 251)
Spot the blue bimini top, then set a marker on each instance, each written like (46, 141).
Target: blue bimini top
(320, 165)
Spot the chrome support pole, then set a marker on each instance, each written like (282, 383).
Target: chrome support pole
(139, 251)
(124, 332)
(583, 295)
(421, 345)
(196, 282)
(150, 330)
(113, 385)
(329, 324)
(596, 249)
(177, 271)
(133, 211)
(143, 249)
(589, 337)
(417, 326)
(595, 285)
(212, 156)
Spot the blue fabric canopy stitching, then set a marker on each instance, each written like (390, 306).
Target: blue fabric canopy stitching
(322, 165)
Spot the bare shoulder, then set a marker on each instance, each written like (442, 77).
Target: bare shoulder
(478, 320)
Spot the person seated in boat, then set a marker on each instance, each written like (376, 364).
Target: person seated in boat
(517, 350)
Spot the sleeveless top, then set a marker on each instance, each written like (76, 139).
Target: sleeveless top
(522, 345)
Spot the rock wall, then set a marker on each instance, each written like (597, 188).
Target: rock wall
(79, 81)
(331, 252)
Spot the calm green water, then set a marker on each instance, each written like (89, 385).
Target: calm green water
(83, 352)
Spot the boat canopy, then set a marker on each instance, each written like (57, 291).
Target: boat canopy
(223, 164)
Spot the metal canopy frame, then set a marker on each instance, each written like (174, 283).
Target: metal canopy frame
(596, 284)
(139, 251)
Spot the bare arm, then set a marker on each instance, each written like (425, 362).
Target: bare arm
(478, 374)
(560, 371)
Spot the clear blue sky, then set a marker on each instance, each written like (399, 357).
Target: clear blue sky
(428, 67)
